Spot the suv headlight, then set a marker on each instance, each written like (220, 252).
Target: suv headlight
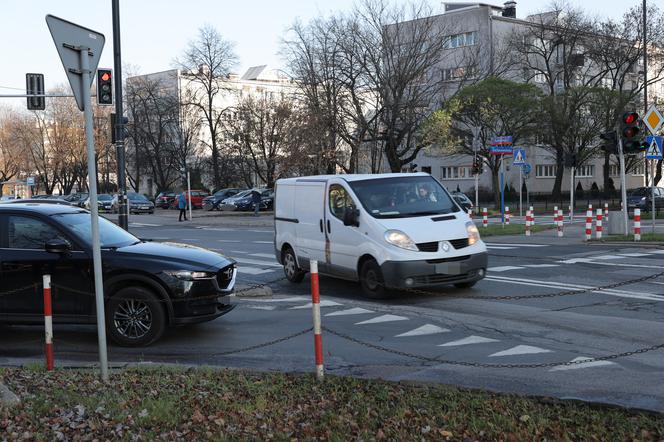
(187, 275)
(473, 233)
(400, 239)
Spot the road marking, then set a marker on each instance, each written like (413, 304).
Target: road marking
(257, 262)
(582, 364)
(655, 282)
(289, 299)
(263, 255)
(542, 266)
(503, 268)
(499, 248)
(520, 350)
(469, 340)
(607, 257)
(383, 318)
(262, 307)
(253, 271)
(322, 304)
(262, 242)
(590, 261)
(351, 311)
(144, 225)
(634, 255)
(229, 240)
(501, 244)
(558, 285)
(259, 231)
(427, 329)
(658, 252)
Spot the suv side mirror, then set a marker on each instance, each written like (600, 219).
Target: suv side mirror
(57, 245)
(352, 217)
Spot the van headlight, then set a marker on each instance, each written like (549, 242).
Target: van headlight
(473, 233)
(400, 239)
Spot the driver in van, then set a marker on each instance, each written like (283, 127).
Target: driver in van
(426, 195)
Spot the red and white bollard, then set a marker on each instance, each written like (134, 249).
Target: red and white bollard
(589, 224)
(315, 306)
(637, 224)
(48, 321)
(527, 222)
(606, 212)
(507, 215)
(485, 217)
(560, 223)
(555, 215)
(598, 224)
(532, 216)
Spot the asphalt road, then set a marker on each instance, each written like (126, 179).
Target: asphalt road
(407, 337)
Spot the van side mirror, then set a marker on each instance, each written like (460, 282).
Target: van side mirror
(352, 217)
(57, 245)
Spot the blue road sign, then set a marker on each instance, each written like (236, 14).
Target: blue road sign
(30, 181)
(519, 157)
(527, 168)
(654, 151)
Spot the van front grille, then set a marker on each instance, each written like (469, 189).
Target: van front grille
(428, 246)
(459, 243)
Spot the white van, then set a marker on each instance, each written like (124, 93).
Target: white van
(387, 231)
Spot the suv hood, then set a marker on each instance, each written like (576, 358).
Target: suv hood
(176, 254)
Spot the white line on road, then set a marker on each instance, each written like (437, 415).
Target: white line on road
(634, 255)
(582, 364)
(262, 307)
(469, 340)
(257, 262)
(499, 247)
(383, 318)
(516, 245)
(612, 264)
(263, 242)
(229, 240)
(520, 350)
(253, 271)
(351, 311)
(144, 225)
(289, 299)
(426, 329)
(540, 266)
(263, 255)
(322, 304)
(503, 268)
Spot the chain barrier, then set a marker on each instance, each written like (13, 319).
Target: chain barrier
(21, 289)
(485, 365)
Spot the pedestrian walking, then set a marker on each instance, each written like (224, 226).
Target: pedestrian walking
(256, 200)
(182, 205)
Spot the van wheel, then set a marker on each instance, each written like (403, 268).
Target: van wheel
(371, 279)
(135, 317)
(465, 285)
(291, 270)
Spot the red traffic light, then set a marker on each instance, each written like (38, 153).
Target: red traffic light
(106, 76)
(630, 117)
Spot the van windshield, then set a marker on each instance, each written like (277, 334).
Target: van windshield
(403, 197)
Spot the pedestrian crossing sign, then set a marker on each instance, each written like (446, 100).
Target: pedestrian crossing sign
(654, 151)
(519, 157)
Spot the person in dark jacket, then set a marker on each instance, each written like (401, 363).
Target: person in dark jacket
(256, 200)
(182, 205)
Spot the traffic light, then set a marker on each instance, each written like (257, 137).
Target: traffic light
(104, 86)
(125, 121)
(34, 85)
(477, 165)
(610, 144)
(631, 134)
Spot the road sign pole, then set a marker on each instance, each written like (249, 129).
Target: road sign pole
(502, 188)
(571, 194)
(189, 191)
(652, 193)
(623, 186)
(520, 191)
(123, 217)
(94, 212)
(477, 175)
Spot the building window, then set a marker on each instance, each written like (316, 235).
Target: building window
(457, 73)
(614, 169)
(637, 169)
(455, 172)
(545, 170)
(539, 78)
(587, 171)
(461, 40)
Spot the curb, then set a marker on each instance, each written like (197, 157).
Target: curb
(640, 244)
(258, 292)
(8, 398)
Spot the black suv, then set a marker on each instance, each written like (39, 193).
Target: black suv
(148, 286)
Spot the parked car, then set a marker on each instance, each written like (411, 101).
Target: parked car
(641, 198)
(77, 199)
(7, 198)
(196, 199)
(213, 201)
(389, 231)
(462, 200)
(136, 203)
(165, 199)
(243, 201)
(148, 286)
(40, 201)
(104, 202)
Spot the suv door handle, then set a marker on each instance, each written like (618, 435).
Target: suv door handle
(320, 224)
(328, 227)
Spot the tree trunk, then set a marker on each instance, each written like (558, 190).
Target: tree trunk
(658, 172)
(606, 168)
(496, 187)
(560, 170)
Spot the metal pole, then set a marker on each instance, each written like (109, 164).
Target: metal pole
(652, 193)
(571, 195)
(502, 189)
(94, 213)
(520, 191)
(645, 107)
(123, 219)
(623, 186)
(189, 192)
(477, 175)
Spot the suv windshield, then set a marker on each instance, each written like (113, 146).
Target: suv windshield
(403, 197)
(110, 235)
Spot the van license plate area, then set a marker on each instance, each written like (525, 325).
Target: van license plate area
(449, 268)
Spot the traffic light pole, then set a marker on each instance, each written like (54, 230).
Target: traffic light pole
(123, 219)
(623, 186)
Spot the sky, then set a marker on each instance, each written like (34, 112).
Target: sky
(154, 32)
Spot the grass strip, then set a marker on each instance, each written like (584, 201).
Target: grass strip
(645, 237)
(205, 404)
(512, 229)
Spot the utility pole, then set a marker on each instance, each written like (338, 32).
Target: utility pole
(123, 219)
(645, 111)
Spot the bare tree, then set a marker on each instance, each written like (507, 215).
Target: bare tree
(12, 156)
(207, 63)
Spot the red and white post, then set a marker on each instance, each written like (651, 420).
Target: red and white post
(560, 223)
(555, 215)
(532, 216)
(315, 306)
(527, 222)
(637, 224)
(598, 224)
(606, 212)
(485, 217)
(48, 321)
(507, 215)
(589, 224)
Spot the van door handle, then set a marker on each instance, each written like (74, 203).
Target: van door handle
(328, 227)
(320, 224)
